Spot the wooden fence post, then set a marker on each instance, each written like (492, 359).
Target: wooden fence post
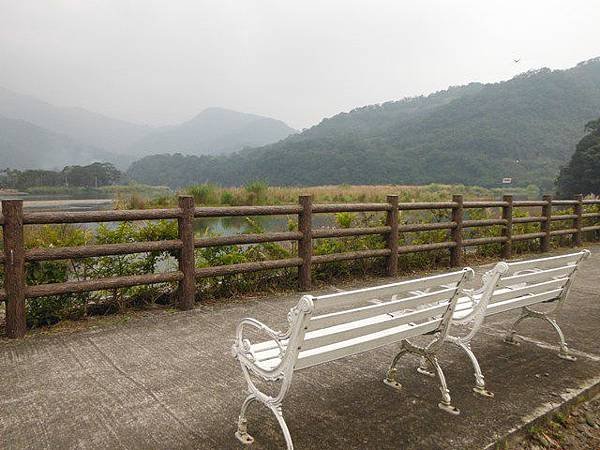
(187, 286)
(578, 222)
(507, 214)
(305, 243)
(14, 268)
(391, 220)
(456, 233)
(546, 225)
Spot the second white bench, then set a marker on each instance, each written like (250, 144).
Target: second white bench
(543, 283)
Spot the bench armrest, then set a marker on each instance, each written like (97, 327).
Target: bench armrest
(243, 346)
(480, 299)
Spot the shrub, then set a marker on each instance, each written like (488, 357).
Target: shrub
(257, 192)
(204, 194)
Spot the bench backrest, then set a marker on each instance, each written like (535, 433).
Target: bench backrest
(519, 284)
(426, 303)
(535, 281)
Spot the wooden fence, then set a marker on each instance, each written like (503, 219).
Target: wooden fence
(15, 256)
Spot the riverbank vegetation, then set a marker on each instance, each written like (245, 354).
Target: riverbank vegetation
(260, 193)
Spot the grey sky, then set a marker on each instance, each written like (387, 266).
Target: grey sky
(161, 62)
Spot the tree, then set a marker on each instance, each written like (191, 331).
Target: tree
(582, 174)
(93, 175)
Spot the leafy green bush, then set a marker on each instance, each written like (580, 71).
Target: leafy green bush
(204, 194)
(49, 310)
(257, 192)
(227, 198)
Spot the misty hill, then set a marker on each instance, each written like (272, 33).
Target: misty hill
(214, 131)
(87, 127)
(25, 145)
(101, 138)
(524, 128)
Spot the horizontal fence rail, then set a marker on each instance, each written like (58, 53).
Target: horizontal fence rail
(15, 256)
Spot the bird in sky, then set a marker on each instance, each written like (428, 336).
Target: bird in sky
(517, 60)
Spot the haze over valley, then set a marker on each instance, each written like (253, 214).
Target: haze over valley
(36, 134)
(228, 94)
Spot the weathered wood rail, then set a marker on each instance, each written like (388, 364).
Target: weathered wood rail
(15, 255)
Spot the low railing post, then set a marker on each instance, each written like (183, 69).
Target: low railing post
(391, 220)
(507, 215)
(546, 225)
(305, 242)
(578, 222)
(456, 233)
(14, 268)
(187, 266)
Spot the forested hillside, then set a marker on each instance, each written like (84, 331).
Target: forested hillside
(524, 128)
(582, 174)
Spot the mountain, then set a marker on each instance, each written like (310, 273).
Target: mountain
(214, 131)
(25, 145)
(101, 138)
(89, 128)
(524, 128)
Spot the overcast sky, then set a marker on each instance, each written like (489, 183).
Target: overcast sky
(161, 62)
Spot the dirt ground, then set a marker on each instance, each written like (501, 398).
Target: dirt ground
(579, 430)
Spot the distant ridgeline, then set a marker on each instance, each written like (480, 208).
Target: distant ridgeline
(524, 129)
(38, 135)
(93, 175)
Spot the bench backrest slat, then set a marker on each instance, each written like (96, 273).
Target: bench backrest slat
(544, 263)
(364, 312)
(373, 325)
(523, 301)
(501, 295)
(354, 346)
(541, 275)
(344, 300)
(405, 309)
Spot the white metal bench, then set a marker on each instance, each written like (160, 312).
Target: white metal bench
(543, 282)
(330, 327)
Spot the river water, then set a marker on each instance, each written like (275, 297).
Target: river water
(219, 225)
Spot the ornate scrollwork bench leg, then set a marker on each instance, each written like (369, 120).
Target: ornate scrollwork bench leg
(242, 431)
(273, 403)
(528, 313)
(479, 379)
(429, 355)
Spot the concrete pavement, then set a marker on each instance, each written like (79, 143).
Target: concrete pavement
(168, 381)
